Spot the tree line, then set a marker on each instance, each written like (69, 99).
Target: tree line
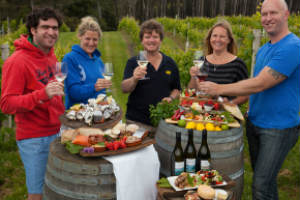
(109, 12)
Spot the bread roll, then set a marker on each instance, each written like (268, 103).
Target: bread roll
(68, 135)
(132, 128)
(120, 126)
(90, 131)
(221, 195)
(206, 192)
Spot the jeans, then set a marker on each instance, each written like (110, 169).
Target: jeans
(268, 148)
(34, 155)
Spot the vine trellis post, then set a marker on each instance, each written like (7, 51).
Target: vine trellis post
(255, 47)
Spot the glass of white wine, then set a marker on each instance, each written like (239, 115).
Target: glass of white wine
(143, 62)
(108, 73)
(60, 71)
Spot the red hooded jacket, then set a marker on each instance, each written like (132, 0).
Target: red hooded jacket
(24, 77)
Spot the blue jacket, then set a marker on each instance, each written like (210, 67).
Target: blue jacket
(83, 73)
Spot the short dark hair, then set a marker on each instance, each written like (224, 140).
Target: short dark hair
(33, 19)
(151, 25)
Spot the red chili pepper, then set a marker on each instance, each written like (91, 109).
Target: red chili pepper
(186, 93)
(184, 103)
(179, 115)
(174, 117)
(122, 144)
(116, 145)
(124, 138)
(201, 103)
(219, 182)
(216, 106)
(109, 145)
(210, 102)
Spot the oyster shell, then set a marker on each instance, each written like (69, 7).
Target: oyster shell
(71, 115)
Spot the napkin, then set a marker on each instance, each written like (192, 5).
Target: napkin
(136, 174)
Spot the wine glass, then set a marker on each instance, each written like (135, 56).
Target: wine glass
(60, 71)
(202, 71)
(143, 62)
(108, 73)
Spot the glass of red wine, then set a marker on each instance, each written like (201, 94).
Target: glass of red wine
(202, 71)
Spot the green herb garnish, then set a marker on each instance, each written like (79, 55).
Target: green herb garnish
(162, 110)
(163, 183)
(73, 148)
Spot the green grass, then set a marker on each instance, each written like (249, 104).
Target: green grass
(114, 48)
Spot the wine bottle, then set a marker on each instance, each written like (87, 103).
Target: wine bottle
(203, 157)
(190, 153)
(177, 157)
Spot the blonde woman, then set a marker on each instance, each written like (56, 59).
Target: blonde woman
(85, 67)
(221, 62)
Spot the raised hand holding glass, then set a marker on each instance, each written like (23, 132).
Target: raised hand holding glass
(108, 73)
(143, 62)
(60, 71)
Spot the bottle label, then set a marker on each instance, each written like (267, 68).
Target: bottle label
(179, 168)
(205, 164)
(190, 165)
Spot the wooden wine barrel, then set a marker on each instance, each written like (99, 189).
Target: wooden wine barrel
(71, 177)
(226, 148)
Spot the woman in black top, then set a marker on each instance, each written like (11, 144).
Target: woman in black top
(162, 76)
(221, 62)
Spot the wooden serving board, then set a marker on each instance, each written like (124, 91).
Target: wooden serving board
(171, 194)
(145, 142)
(180, 195)
(78, 124)
(234, 124)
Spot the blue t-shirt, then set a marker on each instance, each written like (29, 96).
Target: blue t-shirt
(278, 107)
(83, 72)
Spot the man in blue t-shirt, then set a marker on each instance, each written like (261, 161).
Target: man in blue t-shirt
(273, 118)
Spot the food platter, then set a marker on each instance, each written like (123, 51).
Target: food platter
(93, 142)
(172, 179)
(180, 195)
(145, 142)
(200, 113)
(78, 124)
(169, 193)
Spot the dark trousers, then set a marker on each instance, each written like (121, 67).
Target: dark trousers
(268, 148)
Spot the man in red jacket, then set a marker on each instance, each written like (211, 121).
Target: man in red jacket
(30, 92)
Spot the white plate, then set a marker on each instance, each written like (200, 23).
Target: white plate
(172, 179)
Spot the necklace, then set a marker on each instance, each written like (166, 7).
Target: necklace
(221, 59)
